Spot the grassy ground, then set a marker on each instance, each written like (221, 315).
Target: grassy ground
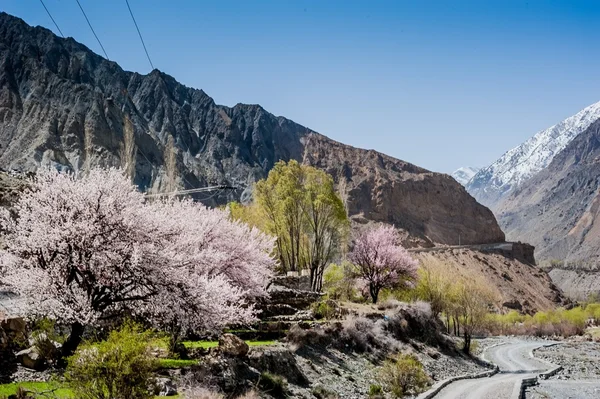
(213, 344)
(60, 392)
(175, 363)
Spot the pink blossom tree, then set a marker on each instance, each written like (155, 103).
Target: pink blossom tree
(86, 249)
(380, 261)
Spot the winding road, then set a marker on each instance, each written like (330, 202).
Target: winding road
(515, 361)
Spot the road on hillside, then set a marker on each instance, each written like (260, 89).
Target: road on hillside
(515, 362)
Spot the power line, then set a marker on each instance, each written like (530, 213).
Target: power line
(139, 33)
(50, 15)
(90, 25)
(192, 191)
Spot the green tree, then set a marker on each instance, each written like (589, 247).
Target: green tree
(303, 211)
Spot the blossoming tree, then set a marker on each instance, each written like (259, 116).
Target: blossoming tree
(84, 250)
(380, 261)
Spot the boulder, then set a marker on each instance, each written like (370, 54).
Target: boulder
(31, 359)
(165, 387)
(513, 304)
(278, 361)
(231, 345)
(14, 325)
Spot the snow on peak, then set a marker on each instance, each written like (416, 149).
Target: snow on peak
(529, 158)
(465, 174)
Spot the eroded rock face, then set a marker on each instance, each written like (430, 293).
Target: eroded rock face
(63, 106)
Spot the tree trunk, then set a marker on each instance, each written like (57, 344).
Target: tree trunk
(467, 346)
(374, 293)
(71, 344)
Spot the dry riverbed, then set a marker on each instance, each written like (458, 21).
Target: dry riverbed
(580, 377)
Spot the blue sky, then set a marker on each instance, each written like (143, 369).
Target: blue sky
(442, 84)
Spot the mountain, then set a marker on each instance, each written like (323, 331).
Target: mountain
(61, 105)
(465, 174)
(557, 210)
(494, 182)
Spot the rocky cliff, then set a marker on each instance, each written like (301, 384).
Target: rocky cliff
(63, 106)
(558, 209)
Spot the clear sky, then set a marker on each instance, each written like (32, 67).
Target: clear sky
(442, 84)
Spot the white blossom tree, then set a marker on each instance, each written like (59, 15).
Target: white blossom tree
(84, 250)
(380, 261)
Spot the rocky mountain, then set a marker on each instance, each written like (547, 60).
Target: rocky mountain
(61, 105)
(517, 165)
(465, 174)
(557, 210)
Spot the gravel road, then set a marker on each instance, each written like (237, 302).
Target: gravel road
(515, 362)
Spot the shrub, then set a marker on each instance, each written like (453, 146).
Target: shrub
(320, 392)
(404, 375)
(120, 367)
(325, 309)
(275, 385)
(375, 391)
(312, 337)
(363, 335)
(338, 282)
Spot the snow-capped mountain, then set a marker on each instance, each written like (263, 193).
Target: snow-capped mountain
(465, 174)
(490, 184)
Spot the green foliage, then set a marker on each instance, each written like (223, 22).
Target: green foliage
(273, 384)
(338, 282)
(303, 211)
(120, 367)
(52, 389)
(375, 391)
(250, 214)
(324, 309)
(404, 375)
(175, 363)
(561, 322)
(320, 392)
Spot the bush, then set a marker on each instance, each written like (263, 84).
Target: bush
(325, 309)
(120, 367)
(311, 337)
(320, 392)
(363, 335)
(338, 282)
(273, 384)
(375, 391)
(404, 375)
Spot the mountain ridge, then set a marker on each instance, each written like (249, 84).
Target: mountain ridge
(63, 106)
(557, 210)
(464, 174)
(521, 163)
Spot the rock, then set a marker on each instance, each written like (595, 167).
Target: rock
(30, 358)
(14, 325)
(513, 304)
(278, 361)
(165, 387)
(231, 345)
